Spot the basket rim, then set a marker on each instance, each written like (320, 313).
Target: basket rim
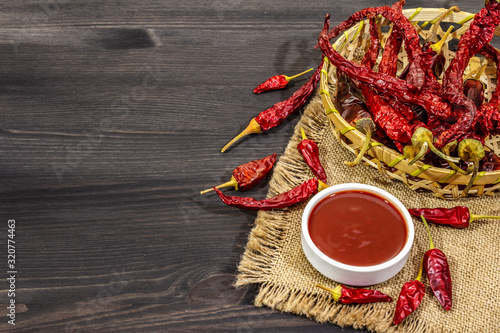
(390, 157)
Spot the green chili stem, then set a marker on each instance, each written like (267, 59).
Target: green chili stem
(428, 232)
(420, 270)
(252, 128)
(304, 137)
(322, 186)
(420, 154)
(443, 156)
(336, 293)
(470, 168)
(472, 177)
(482, 217)
(232, 182)
(447, 150)
(438, 46)
(364, 149)
(288, 78)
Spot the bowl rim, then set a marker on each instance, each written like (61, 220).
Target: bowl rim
(367, 188)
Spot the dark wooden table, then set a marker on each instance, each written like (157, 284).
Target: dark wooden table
(113, 115)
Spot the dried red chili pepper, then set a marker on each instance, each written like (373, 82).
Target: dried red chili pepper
(432, 61)
(276, 114)
(438, 271)
(474, 90)
(416, 114)
(436, 64)
(384, 83)
(352, 108)
(488, 120)
(345, 295)
(410, 35)
(458, 217)
(277, 82)
(309, 151)
(389, 62)
(394, 125)
(249, 174)
(492, 53)
(490, 162)
(418, 60)
(363, 121)
(409, 298)
(298, 194)
(349, 100)
(438, 60)
(480, 32)
(370, 57)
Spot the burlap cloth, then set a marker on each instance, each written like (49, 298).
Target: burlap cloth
(274, 259)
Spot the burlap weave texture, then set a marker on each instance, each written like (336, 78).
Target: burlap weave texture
(274, 260)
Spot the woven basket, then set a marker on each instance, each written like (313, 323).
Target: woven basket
(441, 182)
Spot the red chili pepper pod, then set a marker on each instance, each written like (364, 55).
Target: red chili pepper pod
(249, 174)
(298, 194)
(277, 82)
(474, 90)
(479, 33)
(370, 57)
(409, 299)
(438, 271)
(309, 151)
(383, 83)
(388, 63)
(345, 295)
(457, 217)
(276, 114)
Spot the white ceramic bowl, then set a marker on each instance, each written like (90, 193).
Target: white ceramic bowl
(348, 274)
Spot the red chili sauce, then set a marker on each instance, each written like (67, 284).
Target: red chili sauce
(357, 228)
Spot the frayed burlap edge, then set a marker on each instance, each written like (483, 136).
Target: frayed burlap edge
(263, 250)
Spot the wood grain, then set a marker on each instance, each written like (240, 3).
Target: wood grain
(113, 115)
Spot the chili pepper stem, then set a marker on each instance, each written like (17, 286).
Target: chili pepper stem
(447, 150)
(288, 78)
(482, 217)
(438, 46)
(420, 270)
(364, 149)
(322, 186)
(304, 137)
(336, 293)
(471, 150)
(442, 155)
(420, 154)
(232, 182)
(428, 232)
(472, 178)
(252, 128)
